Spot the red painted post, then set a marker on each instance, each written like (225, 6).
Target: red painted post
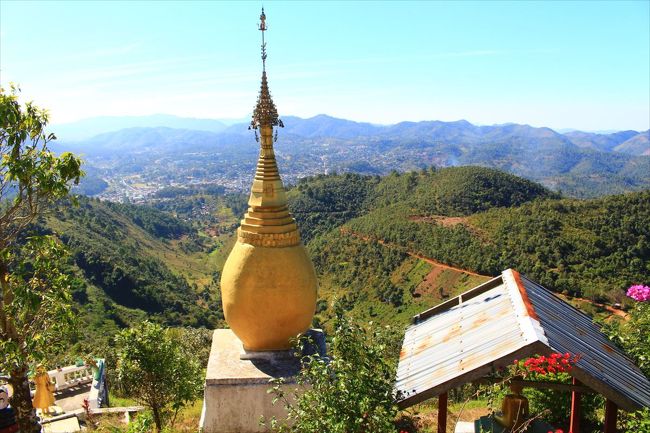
(442, 413)
(574, 427)
(611, 411)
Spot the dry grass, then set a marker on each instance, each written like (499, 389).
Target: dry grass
(112, 423)
(187, 421)
(423, 418)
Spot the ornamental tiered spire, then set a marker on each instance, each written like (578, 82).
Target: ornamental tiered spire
(268, 221)
(265, 113)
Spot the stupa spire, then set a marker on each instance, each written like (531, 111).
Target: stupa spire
(265, 112)
(267, 221)
(262, 29)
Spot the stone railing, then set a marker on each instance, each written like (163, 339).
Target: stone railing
(71, 376)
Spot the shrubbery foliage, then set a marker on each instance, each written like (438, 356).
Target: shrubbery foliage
(350, 391)
(156, 367)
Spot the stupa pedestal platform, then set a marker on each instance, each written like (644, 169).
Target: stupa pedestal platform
(235, 395)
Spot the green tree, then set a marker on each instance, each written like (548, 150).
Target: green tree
(634, 337)
(155, 367)
(351, 391)
(34, 308)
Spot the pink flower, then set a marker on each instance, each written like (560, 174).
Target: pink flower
(639, 293)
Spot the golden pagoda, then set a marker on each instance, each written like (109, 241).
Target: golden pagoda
(268, 284)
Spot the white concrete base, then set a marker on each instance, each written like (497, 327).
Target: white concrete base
(235, 395)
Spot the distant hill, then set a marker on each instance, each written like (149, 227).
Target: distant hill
(377, 242)
(327, 126)
(138, 140)
(87, 128)
(636, 145)
(602, 142)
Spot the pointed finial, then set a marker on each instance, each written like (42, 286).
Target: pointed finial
(263, 20)
(262, 27)
(265, 113)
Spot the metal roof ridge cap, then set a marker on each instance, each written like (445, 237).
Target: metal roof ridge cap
(529, 323)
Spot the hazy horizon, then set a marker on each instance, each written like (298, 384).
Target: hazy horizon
(245, 119)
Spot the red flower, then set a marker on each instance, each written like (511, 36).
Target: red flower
(554, 363)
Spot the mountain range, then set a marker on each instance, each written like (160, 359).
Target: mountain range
(87, 128)
(632, 142)
(581, 164)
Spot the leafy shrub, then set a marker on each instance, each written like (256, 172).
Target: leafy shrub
(350, 391)
(158, 369)
(637, 422)
(634, 337)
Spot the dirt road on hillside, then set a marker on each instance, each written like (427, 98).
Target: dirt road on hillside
(410, 253)
(608, 308)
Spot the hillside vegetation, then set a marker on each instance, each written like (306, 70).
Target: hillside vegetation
(324, 202)
(386, 247)
(136, 262)
(583, 248)
(368, 237)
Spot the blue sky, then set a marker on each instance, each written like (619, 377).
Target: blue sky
(583, 65)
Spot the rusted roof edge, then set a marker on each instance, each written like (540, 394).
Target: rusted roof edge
(555, 295)
(524, 294)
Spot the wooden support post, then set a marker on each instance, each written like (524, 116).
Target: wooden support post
(574, 427)
(611, 411)
(442, 413)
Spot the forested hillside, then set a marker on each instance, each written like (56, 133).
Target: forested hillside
(135, 262)
(387, 247)
(585, 248)
(366, 233)
(324, 202)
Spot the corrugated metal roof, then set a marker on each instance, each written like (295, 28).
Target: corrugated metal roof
(602, 365)
(506, 318)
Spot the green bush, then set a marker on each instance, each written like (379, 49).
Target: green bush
(157, 368)
(350, 391)
(634, 337)
(637, 422)
(557, 405)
